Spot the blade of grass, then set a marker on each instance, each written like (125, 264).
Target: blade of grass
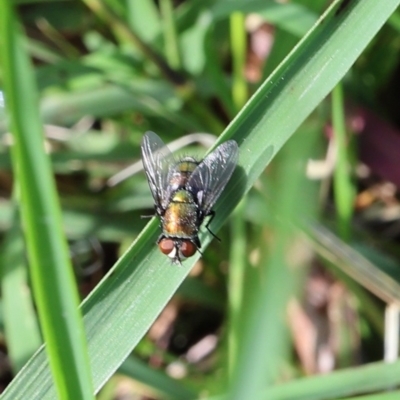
(353, 263)
(291, 17)
(41, 52)
(157, 380)
(108, 99)
(126, 302)
(193, 46)
(343, 188)
(336, 385)
(52, 278)
(122, 28)
(349, 266)
(216, 74)
(239, 48)
(264, 339)
(18, 310)
(144, 18)
(170, 37)
(238, 263)
(381, 396)
(238, 241)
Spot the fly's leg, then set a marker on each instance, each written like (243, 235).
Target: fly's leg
(161, 237)
(211, 215)
(197, 243)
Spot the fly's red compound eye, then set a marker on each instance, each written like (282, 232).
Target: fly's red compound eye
(167, 246)
(187, 248)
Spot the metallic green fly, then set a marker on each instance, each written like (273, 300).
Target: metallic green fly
(185, 192)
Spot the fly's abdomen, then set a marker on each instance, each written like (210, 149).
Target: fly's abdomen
(180, 219)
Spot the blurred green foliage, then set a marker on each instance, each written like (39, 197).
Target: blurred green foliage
(303, 270)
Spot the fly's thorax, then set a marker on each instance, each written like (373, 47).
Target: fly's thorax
(180, 219)
(187, 164)
(182, 196)
(181, 173)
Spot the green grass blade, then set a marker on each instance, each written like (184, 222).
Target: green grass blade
(352, 262)
(239, 50)
(144, 18)
(238, 242)
(157, 380)
(370, 378)
(170, 38)
(291, 17)
(51, 272)
(380, 396)
(148, 97)
(238, 264)
(193, 47)
(18, 309)
(276, 277)
(109, 12)
(121, 309)
(343, 188)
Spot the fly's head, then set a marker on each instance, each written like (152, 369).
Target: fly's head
(177, 249)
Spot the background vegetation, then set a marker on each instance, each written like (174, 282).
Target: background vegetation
(306, 278)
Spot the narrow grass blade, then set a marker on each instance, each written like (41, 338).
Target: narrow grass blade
(239, 47)
(170, 38)
(157, 380)
(276, 277)
(291, 17)
(380, 396)
(353, 263)
(238, 263)
(343, 188)
(352, 381)
(52, 278)
(18, 310)
(144, 18)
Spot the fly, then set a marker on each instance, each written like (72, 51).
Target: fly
(185, 192)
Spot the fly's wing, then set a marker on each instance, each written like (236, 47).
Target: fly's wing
(210, 177)
(157, 160)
